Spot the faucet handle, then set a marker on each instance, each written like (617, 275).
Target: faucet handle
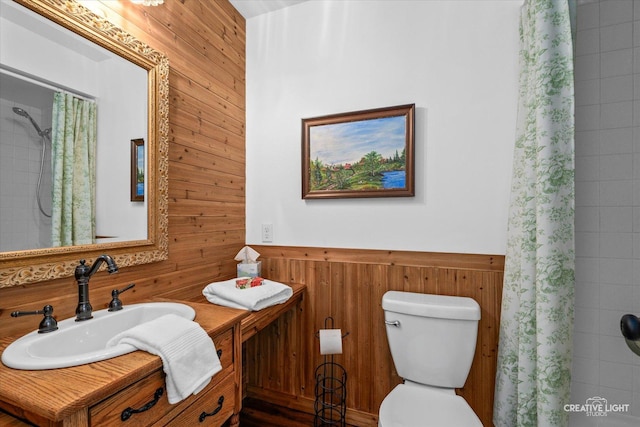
(115, 303)
(48, 323)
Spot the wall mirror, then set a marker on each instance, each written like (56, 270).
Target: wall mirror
(112, 66)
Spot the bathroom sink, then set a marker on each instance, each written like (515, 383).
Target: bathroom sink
(79, 343)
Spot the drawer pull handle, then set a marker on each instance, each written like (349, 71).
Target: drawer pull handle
(127, 413)
(219, 353)
(204, 415)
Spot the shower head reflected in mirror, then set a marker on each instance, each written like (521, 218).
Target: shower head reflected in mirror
(21, 112)
(46, 134)
(630, 327)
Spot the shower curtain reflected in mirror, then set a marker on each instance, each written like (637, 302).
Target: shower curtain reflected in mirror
(74, 170)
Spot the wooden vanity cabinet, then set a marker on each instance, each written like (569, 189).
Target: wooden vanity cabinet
(98, 394)
(151, 392)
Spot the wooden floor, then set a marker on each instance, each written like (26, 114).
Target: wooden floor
(257, 413)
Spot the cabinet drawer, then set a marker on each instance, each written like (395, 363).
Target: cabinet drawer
(224, 347)
(7, 420)
(136, 396)
(143, 393)
(211, 408)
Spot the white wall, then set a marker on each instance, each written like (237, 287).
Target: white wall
(607, 205)
(456, 60)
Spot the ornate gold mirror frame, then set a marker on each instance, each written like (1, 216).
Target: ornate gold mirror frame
(29, 266)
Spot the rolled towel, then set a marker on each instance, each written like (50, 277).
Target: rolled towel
(226, 293)
(188, 354)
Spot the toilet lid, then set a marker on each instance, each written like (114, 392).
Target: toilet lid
(411, 406)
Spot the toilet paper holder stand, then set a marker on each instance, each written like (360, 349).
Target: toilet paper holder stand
(328, 325)
(331, 388)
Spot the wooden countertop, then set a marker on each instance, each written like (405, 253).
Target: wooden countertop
(258, 320)
(57, 393)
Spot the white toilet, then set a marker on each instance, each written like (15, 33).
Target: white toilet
(432, 340)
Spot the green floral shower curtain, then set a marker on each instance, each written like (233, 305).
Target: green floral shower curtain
(534, 359)
(73, 168)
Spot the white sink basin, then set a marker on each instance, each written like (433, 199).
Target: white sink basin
(79, 343)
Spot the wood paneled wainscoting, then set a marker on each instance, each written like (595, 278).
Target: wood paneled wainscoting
(348, 285)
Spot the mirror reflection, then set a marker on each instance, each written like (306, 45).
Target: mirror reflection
(63, 97)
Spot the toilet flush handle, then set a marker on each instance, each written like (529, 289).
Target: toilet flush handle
(392, 323)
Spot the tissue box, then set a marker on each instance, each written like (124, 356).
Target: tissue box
(250, 270)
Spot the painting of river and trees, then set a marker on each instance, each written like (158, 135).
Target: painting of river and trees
(359, 154)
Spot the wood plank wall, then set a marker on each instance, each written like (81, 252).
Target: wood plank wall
(205, 44)
(348, 285)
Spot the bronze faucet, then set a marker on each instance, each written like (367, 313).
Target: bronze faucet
(83, 274)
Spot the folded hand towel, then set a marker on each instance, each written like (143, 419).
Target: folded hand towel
(188, 354)
(255, 299)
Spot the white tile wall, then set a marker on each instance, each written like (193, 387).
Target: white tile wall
(21, 224)
(607, 203)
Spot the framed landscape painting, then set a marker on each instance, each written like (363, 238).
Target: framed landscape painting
(367, 153)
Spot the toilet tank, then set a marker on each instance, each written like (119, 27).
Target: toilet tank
(432, 337)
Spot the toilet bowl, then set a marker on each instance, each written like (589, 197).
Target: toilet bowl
(432, 339)
(421, 406)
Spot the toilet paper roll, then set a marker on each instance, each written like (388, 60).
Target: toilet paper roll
(330, 341)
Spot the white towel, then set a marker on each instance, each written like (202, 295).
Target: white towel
(188, 354)
(254, 299)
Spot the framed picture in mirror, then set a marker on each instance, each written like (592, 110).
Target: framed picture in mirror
(137, 170)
